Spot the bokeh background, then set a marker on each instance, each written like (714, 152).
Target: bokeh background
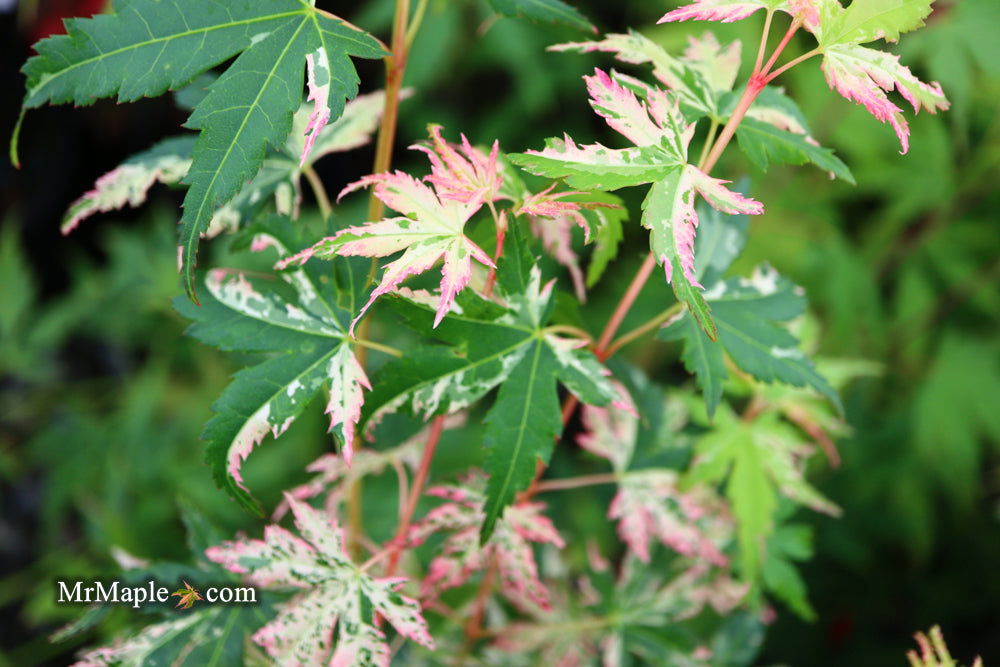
(102, 398)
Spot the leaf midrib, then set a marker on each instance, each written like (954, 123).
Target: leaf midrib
(521, 428)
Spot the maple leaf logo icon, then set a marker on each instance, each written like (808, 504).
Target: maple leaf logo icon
(188, 596)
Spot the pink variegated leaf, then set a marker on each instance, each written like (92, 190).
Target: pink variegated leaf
(677, 74)
(864, 75)
(462, 173)
(556, 235)
(129, 184)
(622, 110)
(649, 506)
(725, 11)
(332, 587)
(319, 80)
(510, 546)
(670, 215)
(549, 204)
(610, 432)
(722, 198)
(432, 231)
(348, 380)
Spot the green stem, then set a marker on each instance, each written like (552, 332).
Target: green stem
(322, 199)
(709, 140)
(576, 482)
(763, 41)
(642, 330)
(418, 18)
(792, 63)
(372, 345)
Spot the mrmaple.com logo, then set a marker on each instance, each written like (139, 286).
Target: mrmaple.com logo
(117, 592)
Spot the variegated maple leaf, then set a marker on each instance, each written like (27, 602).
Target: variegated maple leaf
(661, 137)
(241, 312)
(510, 546)
(432, 229)
(169, 161)
(649, 505)
(553, 216)
(333, 593)
(462, 172)
(727, 11)
(860, 74)
(865, 75)
(643, 600)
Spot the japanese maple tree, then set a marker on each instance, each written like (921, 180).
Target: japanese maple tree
(463, 256)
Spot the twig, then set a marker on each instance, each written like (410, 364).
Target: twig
(576, 482)
(416, 491)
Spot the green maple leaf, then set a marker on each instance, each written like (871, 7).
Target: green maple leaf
(747, 313)
(145, 47)
(763, 143)
(553, 11)
(758, 462)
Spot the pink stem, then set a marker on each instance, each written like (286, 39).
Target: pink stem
(416, 490)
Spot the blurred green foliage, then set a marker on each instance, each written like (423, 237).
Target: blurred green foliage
(102, 398)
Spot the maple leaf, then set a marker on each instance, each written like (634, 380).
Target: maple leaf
(864, 76)
(307, 332)
(642, 599)
(685, 77)
(332, 589)
(860, 74)
(649, 505)
(433, 229)
(139, 648)
(661, 137)
(726, 11)
(462, 173)
(555, 11)
(510, 546)
(758, 461)
(188, 596)
(553, 216)
(144, 48)
(170, 160)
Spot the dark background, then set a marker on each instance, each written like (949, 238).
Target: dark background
(102, 399)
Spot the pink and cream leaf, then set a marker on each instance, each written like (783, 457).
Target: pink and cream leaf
(432, 231)
(681, 77)
(864, 76)
(462, 172)
(332, 590)
(510, 547)
(129, 184)
(724, 11)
